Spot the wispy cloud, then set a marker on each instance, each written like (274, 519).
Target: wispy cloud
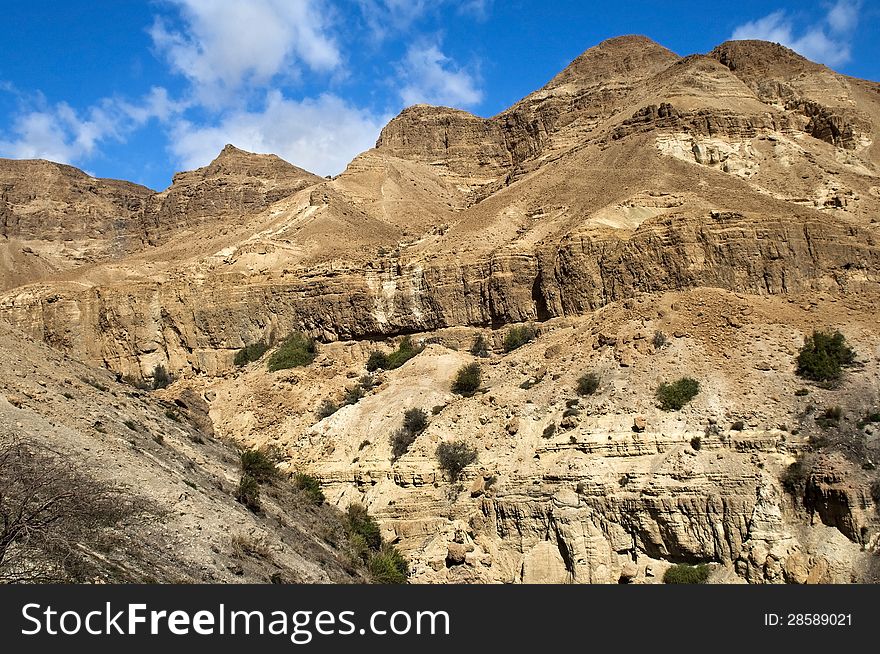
(265, 75)
(60, 133)
(319, 134)
(386, 17)
(222, 47)
(827, 40)
(429, 76)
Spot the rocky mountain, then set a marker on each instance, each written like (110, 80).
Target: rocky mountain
(726, 201)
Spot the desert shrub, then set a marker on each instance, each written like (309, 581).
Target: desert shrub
(384, 562)
(131, 424)
(467, 379)
(686, 574)
(823, 356)
(674, 396)
(739, 425)
(795, 476)
(435, 410)
(518, 336)
(310, 486)
(259, 464)
(414, 423)
(869, 418)
(415, 420)
(404, 352)
(549, 430)
(454, 457)
(696, 443)
(327, 408)
(660, 340)
(353, 394)
(359, 522)
(801, 392)
(388, 566)
(161, 378)
(171, 414)
(376, 361)
(249, 492)
(401, 440)
(573, 411)
(296, 350)
(588, 383)
(250, 353)
(480, 348)
(54, 514)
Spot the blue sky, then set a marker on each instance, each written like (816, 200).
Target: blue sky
(139, 90)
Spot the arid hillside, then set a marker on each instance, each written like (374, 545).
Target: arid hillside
(642, 218)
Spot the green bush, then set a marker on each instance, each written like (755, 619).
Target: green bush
(250, 353)
(359, 521)
(161, 378)
(404, 352)
(588, 384)
(414, 423)
(674, 396)
(795, 476)
(388, 566)
(823, 356)
(353, 394)
(401, 440)
(297, 350)
(415, 420)
(467, 379)
(384, 562)
(479, 348)
(519, 336)
(377, 360)
(454, 457)
(259, 465)
(686, 574)
(249, 492)
(310, 486)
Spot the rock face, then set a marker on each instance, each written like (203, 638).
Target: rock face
(161, 457)
(54, 218)
(634, 179)
(235, 184)
(595, 500)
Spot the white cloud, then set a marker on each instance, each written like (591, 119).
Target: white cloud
(844, 16)
(60, 133)
(429, 76)
(826, 41)
(225, 46)
(321, 134)
(384, 17)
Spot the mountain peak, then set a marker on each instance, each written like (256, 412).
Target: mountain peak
(753, 58)
(626, 56)
(232, 161)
